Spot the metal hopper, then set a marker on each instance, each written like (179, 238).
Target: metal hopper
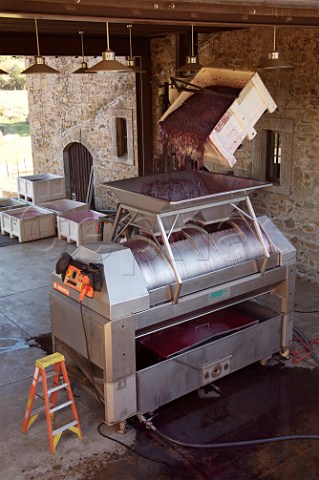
(183, 192)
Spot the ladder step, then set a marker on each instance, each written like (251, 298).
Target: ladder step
(59, 387)
(59, 407)
(39, 410)
(48, 375)
(65, 427)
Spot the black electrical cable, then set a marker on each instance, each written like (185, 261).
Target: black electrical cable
(136, 452)
(303, 337)
(243, 443)
(88, 355)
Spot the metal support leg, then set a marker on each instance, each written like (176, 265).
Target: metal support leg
(259, 234)
(122, 427)
(116, 221)
(171, 259)
(287, 291)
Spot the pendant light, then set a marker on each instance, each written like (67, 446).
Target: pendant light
(273, 62)
(39, 65)
(108, 62)
(130, 59)
(84, 66)
(192, 65)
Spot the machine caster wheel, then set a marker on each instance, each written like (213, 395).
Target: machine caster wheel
(264, 361)
(122, 427)
(285, 353)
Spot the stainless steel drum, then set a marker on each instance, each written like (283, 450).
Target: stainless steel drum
(197, 253)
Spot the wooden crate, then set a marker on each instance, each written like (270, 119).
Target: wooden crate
(28, 223)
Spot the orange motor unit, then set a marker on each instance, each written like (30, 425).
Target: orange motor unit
(85, 278)
(76, 279)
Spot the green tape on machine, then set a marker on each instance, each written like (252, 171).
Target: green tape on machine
(219, 295)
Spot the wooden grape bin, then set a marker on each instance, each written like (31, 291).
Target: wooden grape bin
(237, 122)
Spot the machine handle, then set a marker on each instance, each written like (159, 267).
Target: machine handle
(84, 291)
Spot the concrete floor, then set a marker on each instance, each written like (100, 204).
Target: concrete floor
(255, 402)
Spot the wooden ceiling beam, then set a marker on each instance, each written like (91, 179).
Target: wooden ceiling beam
(274, 11)
(176, 4)
(151, 18)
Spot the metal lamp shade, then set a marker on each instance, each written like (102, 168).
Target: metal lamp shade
(131, 64)
(273, 62)
(131, 59)
(109, 64)
(39, 66)
(84, 66)
(191, 66)
(84, 69)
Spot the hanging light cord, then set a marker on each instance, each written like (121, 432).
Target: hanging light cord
(130, 32)
(107, 36)
(37, 36)
(82, 45)
(193, 41)
(274, 39)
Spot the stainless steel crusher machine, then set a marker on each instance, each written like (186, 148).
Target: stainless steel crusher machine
(178, 298)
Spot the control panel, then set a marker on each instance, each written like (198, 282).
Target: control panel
(75, 278)
(85, 278)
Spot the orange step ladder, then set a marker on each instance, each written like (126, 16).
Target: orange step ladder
(50, 396)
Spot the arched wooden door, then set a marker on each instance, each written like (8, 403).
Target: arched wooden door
(78, 163)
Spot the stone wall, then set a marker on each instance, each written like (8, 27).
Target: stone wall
(68, 108)
(163, 52)
(296, 93)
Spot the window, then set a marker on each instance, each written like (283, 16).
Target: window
(272, 153)
(121, 136)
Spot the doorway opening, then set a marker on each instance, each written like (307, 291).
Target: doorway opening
(78, 171)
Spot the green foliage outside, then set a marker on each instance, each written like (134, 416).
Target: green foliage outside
(13, 107)
(15, 141)
(14, 80)
(19, 128)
